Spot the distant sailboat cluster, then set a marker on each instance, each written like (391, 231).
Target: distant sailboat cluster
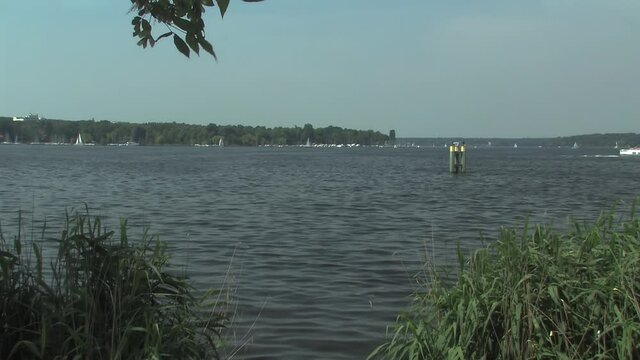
(220, 144)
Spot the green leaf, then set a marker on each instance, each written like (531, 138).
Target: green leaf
(38, 253)
(138, 329)
(27, 345)
(553, 293)
(207, 47)
(164, 35)
(223, 5)
(8, 255)
(183, 24)
(146, 27)
(181, 45)
(193, 42)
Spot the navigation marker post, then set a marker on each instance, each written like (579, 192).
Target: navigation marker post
(457, 158)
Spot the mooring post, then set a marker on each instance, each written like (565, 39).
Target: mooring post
(463, 158)
(457, 158)
(452, 159)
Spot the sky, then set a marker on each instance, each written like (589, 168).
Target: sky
(426, 68)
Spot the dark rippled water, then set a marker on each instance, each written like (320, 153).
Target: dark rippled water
(325, 240)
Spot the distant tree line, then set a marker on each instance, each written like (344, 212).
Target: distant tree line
(591, 140)
(105, 132)
(598, 140)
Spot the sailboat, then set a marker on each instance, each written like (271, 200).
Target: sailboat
(515, 146)
(615, 147)
(575, 146)
(79, 140)
(220, 143)
(308, 144)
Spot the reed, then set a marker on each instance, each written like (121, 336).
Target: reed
(102, 297)
(536, 294)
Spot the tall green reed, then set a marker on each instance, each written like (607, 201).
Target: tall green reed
(539, 294)
(102, 297)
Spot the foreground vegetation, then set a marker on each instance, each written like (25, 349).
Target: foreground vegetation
(105, 132)
(101, 297)
(538, 295)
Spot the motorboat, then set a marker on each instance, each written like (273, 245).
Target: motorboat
(630, 151)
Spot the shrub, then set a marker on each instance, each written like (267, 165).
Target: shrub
(101, 297)
(543, 295)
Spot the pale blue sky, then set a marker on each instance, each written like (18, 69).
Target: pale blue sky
(506, 68)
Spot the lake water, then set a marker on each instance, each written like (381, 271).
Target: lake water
(322, 244)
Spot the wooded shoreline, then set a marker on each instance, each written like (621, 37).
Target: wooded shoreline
(103, 132)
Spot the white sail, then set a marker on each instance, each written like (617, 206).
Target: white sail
(79, 140)
(221, 143)
(308, 144)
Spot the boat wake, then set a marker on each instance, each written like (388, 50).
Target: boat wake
(601, 156)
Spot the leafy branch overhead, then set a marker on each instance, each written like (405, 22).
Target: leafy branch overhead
(183, 20)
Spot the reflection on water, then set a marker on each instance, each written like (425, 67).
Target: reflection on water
(326, 241)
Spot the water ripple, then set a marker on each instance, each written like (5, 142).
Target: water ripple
(323, 244)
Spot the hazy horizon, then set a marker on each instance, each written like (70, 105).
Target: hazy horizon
(498, 68)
